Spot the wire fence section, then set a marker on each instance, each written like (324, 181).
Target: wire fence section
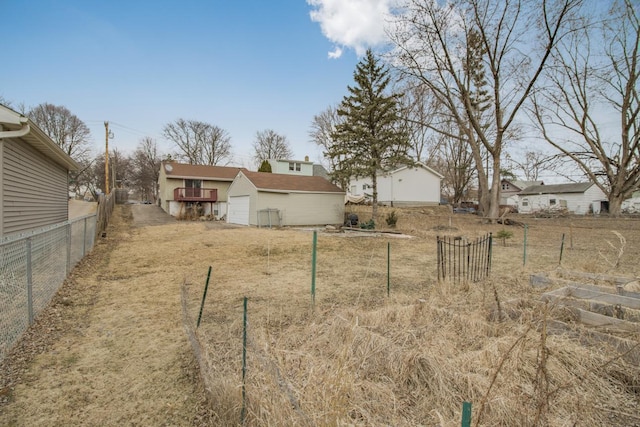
(32, 268)
(462, 260)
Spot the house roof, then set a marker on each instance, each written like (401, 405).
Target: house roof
(422, 165)
(16, 125)
(580, 187)
(319, 170)
(278, 182)
(206, 172)
(521, 185)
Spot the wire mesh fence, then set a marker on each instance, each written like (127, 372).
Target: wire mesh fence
(32, 268)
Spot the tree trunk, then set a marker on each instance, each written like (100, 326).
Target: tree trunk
(494, 194)
(374, 185)
(615, 204)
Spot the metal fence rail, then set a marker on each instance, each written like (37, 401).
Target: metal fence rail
(32, 268)
(462, 260)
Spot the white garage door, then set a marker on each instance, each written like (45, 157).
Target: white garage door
(238, 210)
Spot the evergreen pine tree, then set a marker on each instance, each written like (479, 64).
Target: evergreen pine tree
(370, 139)
(265, 166)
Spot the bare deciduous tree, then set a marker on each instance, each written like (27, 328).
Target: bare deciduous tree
(531, 165)
(419, 110)
(466, 48)
(64, 128)
(322, 126)
(146, 161)
(594, 81)
(270, 145)
(199, 143)
(455, 162)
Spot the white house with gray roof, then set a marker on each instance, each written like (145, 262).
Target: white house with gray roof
(509, 189)
(580, 198)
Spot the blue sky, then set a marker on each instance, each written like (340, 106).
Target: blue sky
(244, 66)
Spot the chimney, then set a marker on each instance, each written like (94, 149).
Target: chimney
(306, 158)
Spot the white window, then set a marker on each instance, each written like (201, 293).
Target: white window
(552, 202)
(353, 189)
(505, 186)
(291, 166)
(525, 202)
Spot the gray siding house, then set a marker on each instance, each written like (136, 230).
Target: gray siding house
(34, 176)
(294, 200)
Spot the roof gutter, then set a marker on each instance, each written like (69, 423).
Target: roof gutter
(24, 130)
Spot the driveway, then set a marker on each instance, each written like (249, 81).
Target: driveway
(149, 215)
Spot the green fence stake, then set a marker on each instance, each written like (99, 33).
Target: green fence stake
(561, 250)
(244, 362)
(388, 268)
(206, 286)
(313, 268)
(524, 256)
(466, 414)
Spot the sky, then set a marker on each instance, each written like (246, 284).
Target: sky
(244, 66)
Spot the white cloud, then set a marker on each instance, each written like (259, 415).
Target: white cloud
(355, 24)
(336, 53)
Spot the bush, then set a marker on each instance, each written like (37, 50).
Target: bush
(391, 219)
(368, 225)
(504, 235)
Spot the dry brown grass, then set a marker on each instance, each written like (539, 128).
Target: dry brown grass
(361, 358)
(357, 357)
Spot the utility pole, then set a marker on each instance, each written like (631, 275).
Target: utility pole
(107, 135)
(106, 158)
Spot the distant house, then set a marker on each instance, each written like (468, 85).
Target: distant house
(259, 198)
(34, 171)
(509, 190)
(292, 167)
(580, 198)
(404, 186)
(197, 189)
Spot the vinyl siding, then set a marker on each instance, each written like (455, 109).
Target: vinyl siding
(303, 208)
(577, 203)
(34, 189)
(306, 168)
(242, 187)
(410, 186)
(168, 184)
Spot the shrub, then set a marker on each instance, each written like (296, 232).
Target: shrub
(504, 235)
(391, 219)
(370, 225)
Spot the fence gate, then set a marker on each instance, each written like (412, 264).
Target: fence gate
(462, 260)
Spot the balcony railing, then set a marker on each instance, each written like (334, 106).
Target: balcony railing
(186, 194)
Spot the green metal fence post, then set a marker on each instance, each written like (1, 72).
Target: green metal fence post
(561, 250)
(388, 268)
(466, 414)
(313, 268)
(524, 256)
(206, 286)
(244, 361)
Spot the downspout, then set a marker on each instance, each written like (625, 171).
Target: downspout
(24, 130)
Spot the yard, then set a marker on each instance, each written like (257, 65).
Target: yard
(112, 349)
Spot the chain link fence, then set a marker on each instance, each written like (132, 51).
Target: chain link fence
(32, 268)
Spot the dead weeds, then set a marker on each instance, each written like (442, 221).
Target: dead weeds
(356, 357)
